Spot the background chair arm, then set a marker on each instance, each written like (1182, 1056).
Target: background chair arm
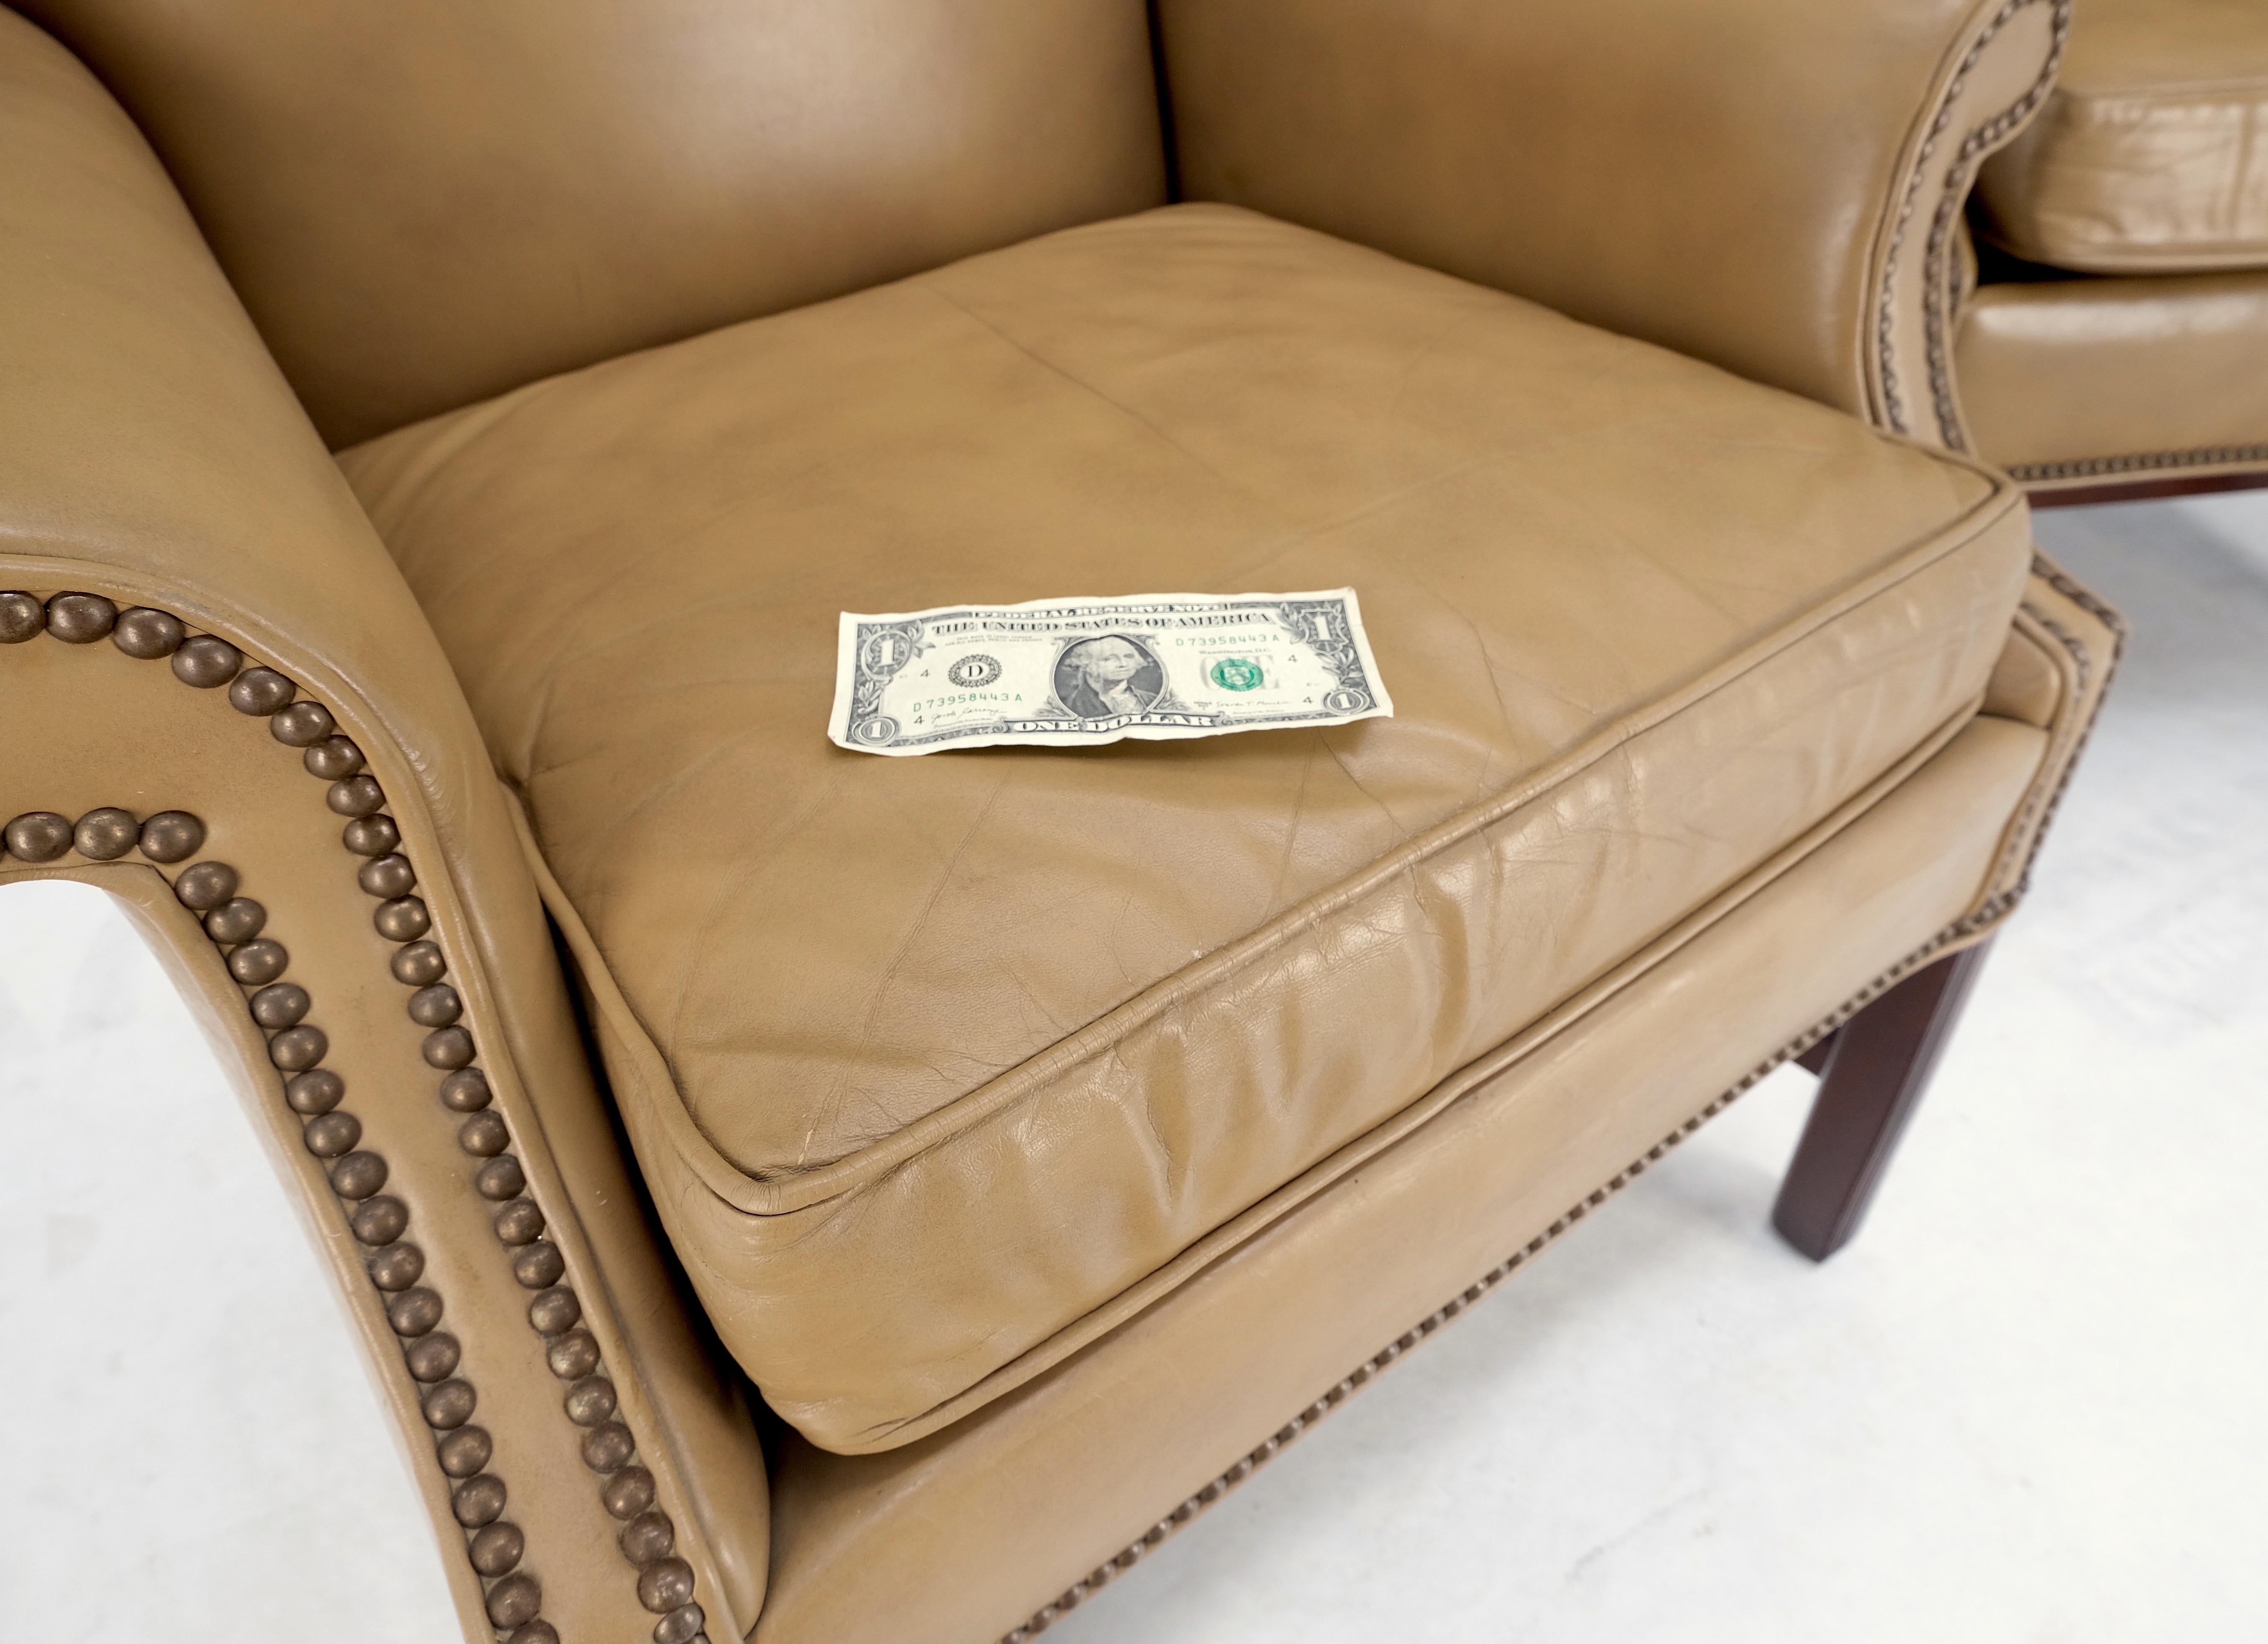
(1771, 185)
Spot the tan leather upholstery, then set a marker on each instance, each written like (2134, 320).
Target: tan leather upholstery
(1690, 674)
(867, 1553)
(2152, 155)
(2080, 381)
(985, 1046)
(1586, 155)
(422, 209)
(150, 451)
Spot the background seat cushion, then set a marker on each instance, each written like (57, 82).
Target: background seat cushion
(2151, 156)
(938, 1067)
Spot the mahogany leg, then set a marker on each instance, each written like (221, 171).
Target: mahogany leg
(1876, 1068)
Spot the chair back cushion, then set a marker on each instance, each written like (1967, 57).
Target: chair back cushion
(426, 202)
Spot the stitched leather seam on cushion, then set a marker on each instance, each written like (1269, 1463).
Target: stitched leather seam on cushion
(782, 1194)
(1350, 1155)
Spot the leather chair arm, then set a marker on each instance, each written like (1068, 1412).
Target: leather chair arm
(1773, 185)
(151, 454)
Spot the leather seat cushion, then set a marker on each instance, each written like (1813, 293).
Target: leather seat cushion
(939, 1066)
(2079, 382)
(2151, 156)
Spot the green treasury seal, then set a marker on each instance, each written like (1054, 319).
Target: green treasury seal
(1236, 673)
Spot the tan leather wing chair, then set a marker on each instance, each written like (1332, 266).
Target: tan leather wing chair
(2117, 342)
(794, 1195)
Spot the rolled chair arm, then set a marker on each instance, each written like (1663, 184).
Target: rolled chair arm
(222, 705)
(1773, 185)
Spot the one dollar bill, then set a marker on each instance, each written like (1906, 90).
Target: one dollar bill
(1069, 673)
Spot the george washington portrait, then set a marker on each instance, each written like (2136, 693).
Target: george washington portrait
(1107, 676)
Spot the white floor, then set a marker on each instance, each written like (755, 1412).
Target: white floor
(2024, 1408)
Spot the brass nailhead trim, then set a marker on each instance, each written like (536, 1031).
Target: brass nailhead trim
(1937, 275)
(2139, 462)
(494, 1545)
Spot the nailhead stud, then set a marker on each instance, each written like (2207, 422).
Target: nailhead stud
(465, 1452)
(447, 1048)
(403, 919)
(518, 1222)
(448, 1403)
(536, 1632)
(478, 1500)
(573, 1355)
(648, 1537)
(466, 1090)
(301, 724)
(205, 886)
(281, 1005)
(331, 758)
(331, 1135)
(105, 834)
(80, 619)
(356, 796)
(381, 1221)
(386, 877)
(628, 1494)
(260, 961)
(513, 1601)
(497, 1548)
(239, 919)
(608, 1447)
(206, 663)
(431, 1358)
(397, 1266)
(21, 617)
(589, 1401)
(318, 1090)
(664, 1586)
(680, 1626)
(358, 1175)
(414, 1312)
(554, 1310)
(500, 1178)
(38, 835)
(435, 1006)
(484, 1136)
(172, 836)
(539, 1265)
(370, 835)
(296, 1049)
(147, 635)
(418, 964)
(258, 692)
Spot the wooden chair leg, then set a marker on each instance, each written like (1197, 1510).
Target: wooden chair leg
(1872, 1078)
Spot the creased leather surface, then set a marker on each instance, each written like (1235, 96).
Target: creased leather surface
(978, 1040)
(425, 204)
(2152, 154)
(2068, 371)
(953, 1540)
(1723, 177)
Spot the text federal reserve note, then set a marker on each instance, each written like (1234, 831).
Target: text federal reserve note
(1065, 672)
